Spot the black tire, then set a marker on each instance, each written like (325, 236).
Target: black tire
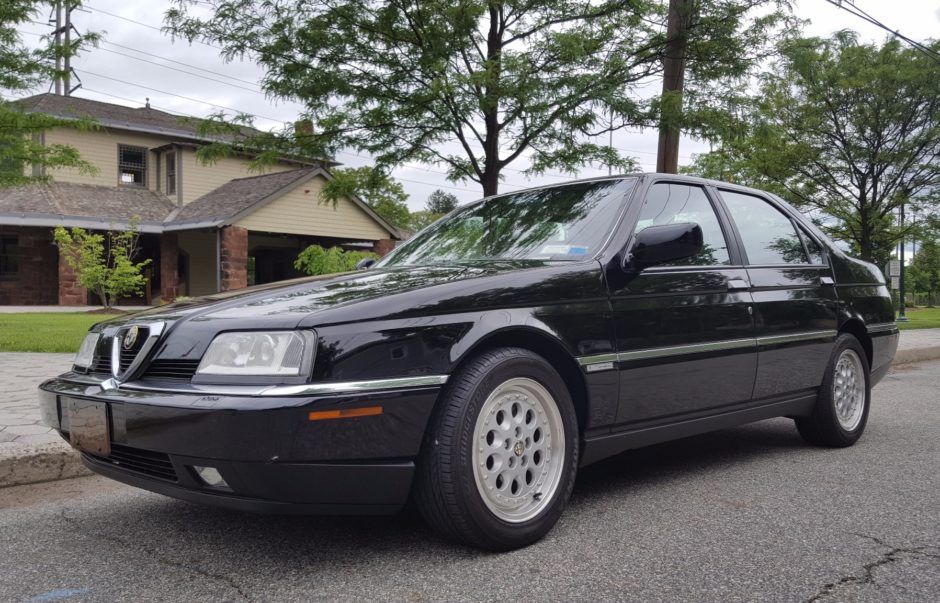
(445, 488)
(823, 426)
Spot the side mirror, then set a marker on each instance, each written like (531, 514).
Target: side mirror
(365, 263)
(667, 243)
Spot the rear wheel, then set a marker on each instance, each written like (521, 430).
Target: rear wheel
(841, 410)
(499, 461)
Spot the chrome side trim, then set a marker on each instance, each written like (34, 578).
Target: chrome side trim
(882, 327)
(692, 348)
(597, 358)
(601, 362)
(792, 337)
(307, 389)
(355, 386)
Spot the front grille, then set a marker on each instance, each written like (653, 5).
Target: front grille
(172, 369)
(145, 462)
(129, 354)
(101, 364)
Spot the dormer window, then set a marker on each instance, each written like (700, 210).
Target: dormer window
(171, 173)
(132, 165)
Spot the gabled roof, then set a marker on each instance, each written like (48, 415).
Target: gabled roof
(237, 198)
(101, 207)
(138, 119)
(84, 205)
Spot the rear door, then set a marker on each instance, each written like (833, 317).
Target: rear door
(685, 338)
(794, 297)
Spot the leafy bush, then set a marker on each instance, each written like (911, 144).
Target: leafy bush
(316, 260)
(103, 262)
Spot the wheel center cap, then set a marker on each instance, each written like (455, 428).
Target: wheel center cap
(519, 448)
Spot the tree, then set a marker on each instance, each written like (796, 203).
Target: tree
(315, 260)
(499, 79)
(441, 202)
(924, 271)
(22, 68)
(104, 262)
(847, 129)
(380, 192)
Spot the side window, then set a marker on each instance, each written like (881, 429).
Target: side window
(675, 203)
(815, 251)
(769, 236)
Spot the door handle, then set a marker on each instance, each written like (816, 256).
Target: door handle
(737, 284)
(826, 280)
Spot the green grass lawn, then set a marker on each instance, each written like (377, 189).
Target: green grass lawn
(921, 318)
(63, 332)
(45, 331)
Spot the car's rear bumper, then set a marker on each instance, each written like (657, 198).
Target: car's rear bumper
(272, 457)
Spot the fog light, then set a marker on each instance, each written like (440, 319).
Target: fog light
(211, 476)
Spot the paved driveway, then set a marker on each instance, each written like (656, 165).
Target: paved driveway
(744, 514)
(20, 374)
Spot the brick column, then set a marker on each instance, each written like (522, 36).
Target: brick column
(71, 293)
(383, 246)
(169, 267)
(233, 254)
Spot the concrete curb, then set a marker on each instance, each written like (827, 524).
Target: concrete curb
(20, 465)
(916, 355)
(31, 464)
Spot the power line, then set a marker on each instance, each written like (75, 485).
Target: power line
(850, 8)
(189, 98)
(147, 25)
(231, 77)
(168, 66)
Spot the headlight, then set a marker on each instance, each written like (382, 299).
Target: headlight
(86, 353)
(258, 353)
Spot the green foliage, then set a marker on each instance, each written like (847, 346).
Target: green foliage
(923, 274)
(316, 260)
(500, 79)
(379, 191)
(441, 202)
(847, 129)
(22, 68)
(104, 263)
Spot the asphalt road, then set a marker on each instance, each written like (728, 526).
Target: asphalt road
(745, 514)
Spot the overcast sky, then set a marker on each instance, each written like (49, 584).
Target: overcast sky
(193, 79)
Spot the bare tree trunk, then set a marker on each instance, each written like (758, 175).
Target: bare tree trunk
(680, 11)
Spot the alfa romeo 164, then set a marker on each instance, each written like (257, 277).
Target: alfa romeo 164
(476, 367)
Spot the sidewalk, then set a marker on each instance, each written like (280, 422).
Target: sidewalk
(31, 452)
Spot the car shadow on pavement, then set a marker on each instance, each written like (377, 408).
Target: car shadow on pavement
(313, 539)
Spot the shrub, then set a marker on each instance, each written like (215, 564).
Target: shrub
(316, 260)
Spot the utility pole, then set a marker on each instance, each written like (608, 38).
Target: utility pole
(58, 47)
(901, 316)
(62, 40)
(680, 12)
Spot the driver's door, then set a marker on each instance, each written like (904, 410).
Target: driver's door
(685, 332)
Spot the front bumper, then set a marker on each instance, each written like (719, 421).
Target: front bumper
(271, 456)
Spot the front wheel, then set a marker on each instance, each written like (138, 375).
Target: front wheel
(842, 406)
(500, 457)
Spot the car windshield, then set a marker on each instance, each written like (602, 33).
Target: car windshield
(568, 222)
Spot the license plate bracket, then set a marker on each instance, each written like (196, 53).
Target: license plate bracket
(88, 426)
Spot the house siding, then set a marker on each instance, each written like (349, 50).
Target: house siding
(300, 212)
(100, 148)
(200, 246)
(199, 178)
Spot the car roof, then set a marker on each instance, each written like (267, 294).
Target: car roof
(640, 175)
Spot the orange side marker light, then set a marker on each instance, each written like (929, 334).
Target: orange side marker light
(344, 413)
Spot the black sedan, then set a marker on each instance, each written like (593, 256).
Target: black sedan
(476, 367)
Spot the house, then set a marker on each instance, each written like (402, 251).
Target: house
(206, 227)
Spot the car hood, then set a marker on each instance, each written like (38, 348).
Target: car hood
(286, 304)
